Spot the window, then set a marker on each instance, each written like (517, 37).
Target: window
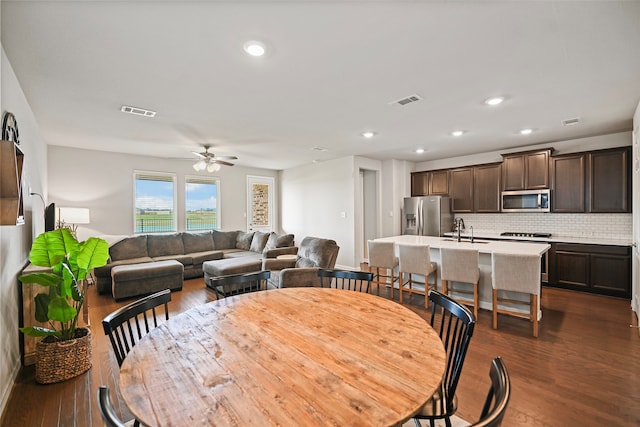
(155, 195)
(201, 200)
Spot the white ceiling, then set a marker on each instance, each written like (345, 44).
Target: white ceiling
(330, 71)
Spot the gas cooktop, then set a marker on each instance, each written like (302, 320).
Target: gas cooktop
(515, 234)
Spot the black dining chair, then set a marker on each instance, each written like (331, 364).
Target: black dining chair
(358, 281)
(235, 284)
(130, 323)
(106, 409)
(455, 324)
(497, 400)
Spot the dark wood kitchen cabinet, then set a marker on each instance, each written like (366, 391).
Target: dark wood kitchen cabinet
(486, 188)
(610, 180)
(439, 183)
(419, 183)
(568, 181)
(461, 191)
(430, 183)
(526, 171)
(597, 269)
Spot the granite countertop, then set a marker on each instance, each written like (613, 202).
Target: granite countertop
(483, 246)
(589, 240)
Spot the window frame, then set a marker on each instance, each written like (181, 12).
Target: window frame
(173, 178)
(188, 179)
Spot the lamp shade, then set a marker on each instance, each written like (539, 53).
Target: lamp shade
(74, 215)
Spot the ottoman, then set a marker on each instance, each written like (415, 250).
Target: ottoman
(227, 266)
(145, 278)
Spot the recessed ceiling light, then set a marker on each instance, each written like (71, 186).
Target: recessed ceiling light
(526, 131)
(419, 150)
(320, 149)
(254, 48)
(457, 133)
(369, 134)
(494, 101)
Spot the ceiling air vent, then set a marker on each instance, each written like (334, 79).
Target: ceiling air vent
(407, 100)
(137, 111)
(570, 122)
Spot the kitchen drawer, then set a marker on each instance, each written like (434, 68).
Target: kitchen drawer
(593, 249)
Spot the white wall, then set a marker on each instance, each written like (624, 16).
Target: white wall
(396, 185)
(319, 200)
(15, 241)
(103, 182)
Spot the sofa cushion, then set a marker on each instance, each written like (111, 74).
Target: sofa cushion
(200, 257)
(276, 240)
(164, 244)
(197, 242)
(182, 259)
(131, 247)
(305, 263)
(240, 254)
(243, 240)
(258, 241)
(224, 239)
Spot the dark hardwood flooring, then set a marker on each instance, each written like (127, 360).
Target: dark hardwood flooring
(583, 370)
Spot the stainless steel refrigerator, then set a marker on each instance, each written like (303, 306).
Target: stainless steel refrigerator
(427, 216)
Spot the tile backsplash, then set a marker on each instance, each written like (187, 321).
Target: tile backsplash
(610, 226)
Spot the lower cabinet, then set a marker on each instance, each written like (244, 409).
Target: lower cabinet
(598, 269)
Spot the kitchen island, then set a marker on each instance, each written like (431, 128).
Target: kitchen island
(485, 249)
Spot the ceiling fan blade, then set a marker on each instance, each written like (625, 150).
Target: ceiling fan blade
(222, 162)
(225, 157)
(201, 155)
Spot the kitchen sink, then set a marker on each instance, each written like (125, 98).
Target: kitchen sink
(466, 241)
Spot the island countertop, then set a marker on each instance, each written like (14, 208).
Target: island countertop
(483, 246)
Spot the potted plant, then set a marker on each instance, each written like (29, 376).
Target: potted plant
(65, 350)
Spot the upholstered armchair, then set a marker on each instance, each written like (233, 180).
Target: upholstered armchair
(313, 253)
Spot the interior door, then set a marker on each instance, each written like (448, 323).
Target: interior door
(260, 203)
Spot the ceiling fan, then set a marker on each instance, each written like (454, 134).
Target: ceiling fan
(210, 161)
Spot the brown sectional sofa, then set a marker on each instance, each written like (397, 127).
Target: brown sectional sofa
(191, 249)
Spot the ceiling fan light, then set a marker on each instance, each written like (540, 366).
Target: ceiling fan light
(200, 165)
(213, 167)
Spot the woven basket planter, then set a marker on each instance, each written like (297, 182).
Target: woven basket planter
(60, 360)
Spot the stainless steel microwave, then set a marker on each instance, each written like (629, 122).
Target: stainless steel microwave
(526, 201)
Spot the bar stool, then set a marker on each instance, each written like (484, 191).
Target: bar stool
(416, 259)
(461, 266)
(516, 273)
(382, 255)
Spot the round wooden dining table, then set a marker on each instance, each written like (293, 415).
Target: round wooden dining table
(293, 356)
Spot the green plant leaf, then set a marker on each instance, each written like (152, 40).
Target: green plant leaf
(67, 281)
(42, 307)
(60, 310)
(94, 252)
(44, 279)
(37, 331)
(51, 247)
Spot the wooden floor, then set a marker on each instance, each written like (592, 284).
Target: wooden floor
(583, 370)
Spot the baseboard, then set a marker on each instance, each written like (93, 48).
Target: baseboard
(6, 392)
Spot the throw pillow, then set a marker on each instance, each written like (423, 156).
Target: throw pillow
(284, 241)
(272, 241)
(243, 241)
(259, 241)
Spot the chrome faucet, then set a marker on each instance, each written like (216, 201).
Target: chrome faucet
(459, 222)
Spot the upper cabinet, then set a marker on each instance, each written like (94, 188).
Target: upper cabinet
(461, 193)
(609, 181)
(486, 188)
(419, 183)
(431, 183)
(11, 208)
(568, 179)
(526, 170)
